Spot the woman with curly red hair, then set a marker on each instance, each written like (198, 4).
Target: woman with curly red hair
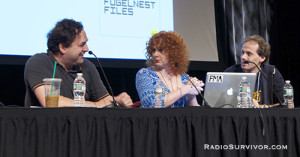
(162, 84)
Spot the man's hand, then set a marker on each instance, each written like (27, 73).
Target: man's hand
(255, 104)
(123, 99)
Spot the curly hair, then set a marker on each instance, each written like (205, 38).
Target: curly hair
(264, 48)
(173, 46)
(64, 32)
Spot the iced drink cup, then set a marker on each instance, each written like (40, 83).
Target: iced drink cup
(52, 91)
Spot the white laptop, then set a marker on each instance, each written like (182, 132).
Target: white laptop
(222, 88)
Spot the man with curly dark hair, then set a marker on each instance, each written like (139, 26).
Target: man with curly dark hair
(67, 43)
(162, 84)
(257, 50)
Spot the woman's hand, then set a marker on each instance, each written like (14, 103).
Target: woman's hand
(190, 89)
(198, 83)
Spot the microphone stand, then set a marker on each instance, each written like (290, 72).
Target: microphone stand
(205, 102)
(114, 104)
(247, 62)
(261, 115)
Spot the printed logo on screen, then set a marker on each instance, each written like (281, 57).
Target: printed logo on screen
(215, 78)
(126, 7)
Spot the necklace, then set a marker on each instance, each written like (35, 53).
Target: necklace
(170, 79)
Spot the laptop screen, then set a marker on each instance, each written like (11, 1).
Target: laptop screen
(223, 87)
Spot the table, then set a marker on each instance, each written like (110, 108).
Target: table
(171, 132)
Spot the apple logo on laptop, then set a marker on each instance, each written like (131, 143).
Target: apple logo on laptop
(230, 91)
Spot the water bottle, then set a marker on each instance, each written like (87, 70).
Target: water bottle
(159, 93)
(288, 94)
(79, 90)
(244, 98)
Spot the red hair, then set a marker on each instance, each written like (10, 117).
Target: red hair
(173, 45)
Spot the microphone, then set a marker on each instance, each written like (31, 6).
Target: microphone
(247, 62)
(114, 104)
(205, 102)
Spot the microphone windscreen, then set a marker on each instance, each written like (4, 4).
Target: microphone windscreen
(246, 62)
(90, 52)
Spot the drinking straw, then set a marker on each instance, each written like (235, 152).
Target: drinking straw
(53, 77)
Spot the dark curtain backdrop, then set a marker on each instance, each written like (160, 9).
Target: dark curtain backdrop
(275, 20)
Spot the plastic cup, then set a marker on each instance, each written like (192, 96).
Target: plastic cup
(52, 91)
